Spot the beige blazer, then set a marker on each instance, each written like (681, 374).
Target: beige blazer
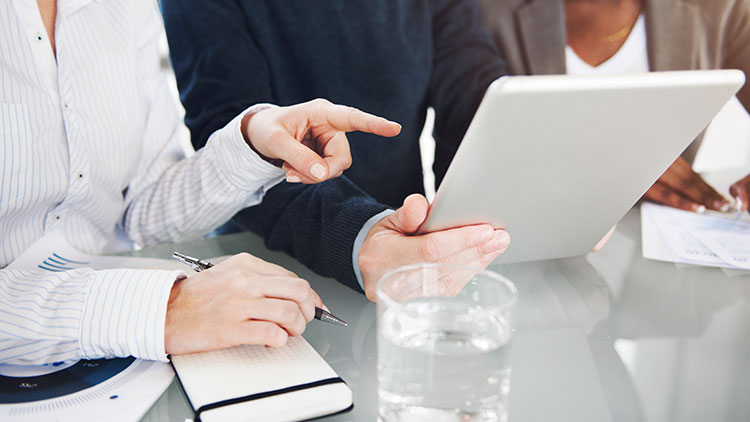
(682, 35)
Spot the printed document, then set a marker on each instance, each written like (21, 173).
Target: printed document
(711, 239)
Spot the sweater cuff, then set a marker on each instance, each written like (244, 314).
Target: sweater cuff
(124, 314)
(342, 230)
(360, 240)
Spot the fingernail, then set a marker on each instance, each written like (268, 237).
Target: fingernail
(487, 234)
(700, 209)
(318, 171)
(723, 206)
(500, 241)
(293, 179)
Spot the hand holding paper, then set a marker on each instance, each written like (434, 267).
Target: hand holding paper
(680, 187)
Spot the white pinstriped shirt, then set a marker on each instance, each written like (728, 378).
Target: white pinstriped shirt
(90, 142)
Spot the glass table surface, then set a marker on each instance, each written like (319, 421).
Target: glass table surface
(610, 336)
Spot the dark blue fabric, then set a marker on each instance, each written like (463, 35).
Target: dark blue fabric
(394, 58)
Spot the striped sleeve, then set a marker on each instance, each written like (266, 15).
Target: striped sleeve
(171, 198)
(197, 194)
(48, 317)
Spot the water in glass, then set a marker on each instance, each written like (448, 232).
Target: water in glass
(443, 360)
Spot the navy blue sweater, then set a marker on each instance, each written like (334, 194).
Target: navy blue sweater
(394, 58)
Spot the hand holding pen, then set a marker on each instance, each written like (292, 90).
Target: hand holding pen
(199, 265)
(242, 300)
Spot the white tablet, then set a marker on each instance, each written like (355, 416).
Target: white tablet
(558, 160)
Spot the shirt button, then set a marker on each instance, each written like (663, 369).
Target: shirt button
(39, 37)
(80, 175)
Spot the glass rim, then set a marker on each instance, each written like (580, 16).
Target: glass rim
(380, 294)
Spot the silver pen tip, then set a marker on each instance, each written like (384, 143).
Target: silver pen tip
(328, 317)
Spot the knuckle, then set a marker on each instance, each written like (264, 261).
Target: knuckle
(301, 288)
(279, 337)
(242, 259)
(482, 250)
(303, 285)
(469, 236)
(299, 156)
(351, 114)
(288, 312)
(301, 159)
(271, 334)
(287, 273)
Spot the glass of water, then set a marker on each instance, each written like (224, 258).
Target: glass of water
(443, 344)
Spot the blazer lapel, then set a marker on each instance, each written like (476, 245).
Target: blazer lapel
(541, 25)
(671, 27)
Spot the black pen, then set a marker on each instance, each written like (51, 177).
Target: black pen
(199, 265)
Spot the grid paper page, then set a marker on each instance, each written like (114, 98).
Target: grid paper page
(209, 377)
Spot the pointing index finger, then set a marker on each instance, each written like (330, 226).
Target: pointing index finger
(350, 119)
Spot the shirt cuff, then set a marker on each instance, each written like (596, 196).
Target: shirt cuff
(242, 166)
(360, 240)
(125, 313)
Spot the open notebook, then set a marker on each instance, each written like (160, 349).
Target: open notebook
(257, 383)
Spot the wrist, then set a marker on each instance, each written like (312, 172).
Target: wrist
(357, 261)
(245, 129)
(170, 319)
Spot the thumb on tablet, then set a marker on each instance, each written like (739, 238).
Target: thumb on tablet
(412, 214)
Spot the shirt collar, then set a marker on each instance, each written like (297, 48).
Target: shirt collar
(68, 7)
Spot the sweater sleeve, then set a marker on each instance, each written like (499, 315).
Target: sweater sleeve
(220, 70)
(465, 64)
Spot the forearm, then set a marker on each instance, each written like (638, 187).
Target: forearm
(51, 317)
(197, 194)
